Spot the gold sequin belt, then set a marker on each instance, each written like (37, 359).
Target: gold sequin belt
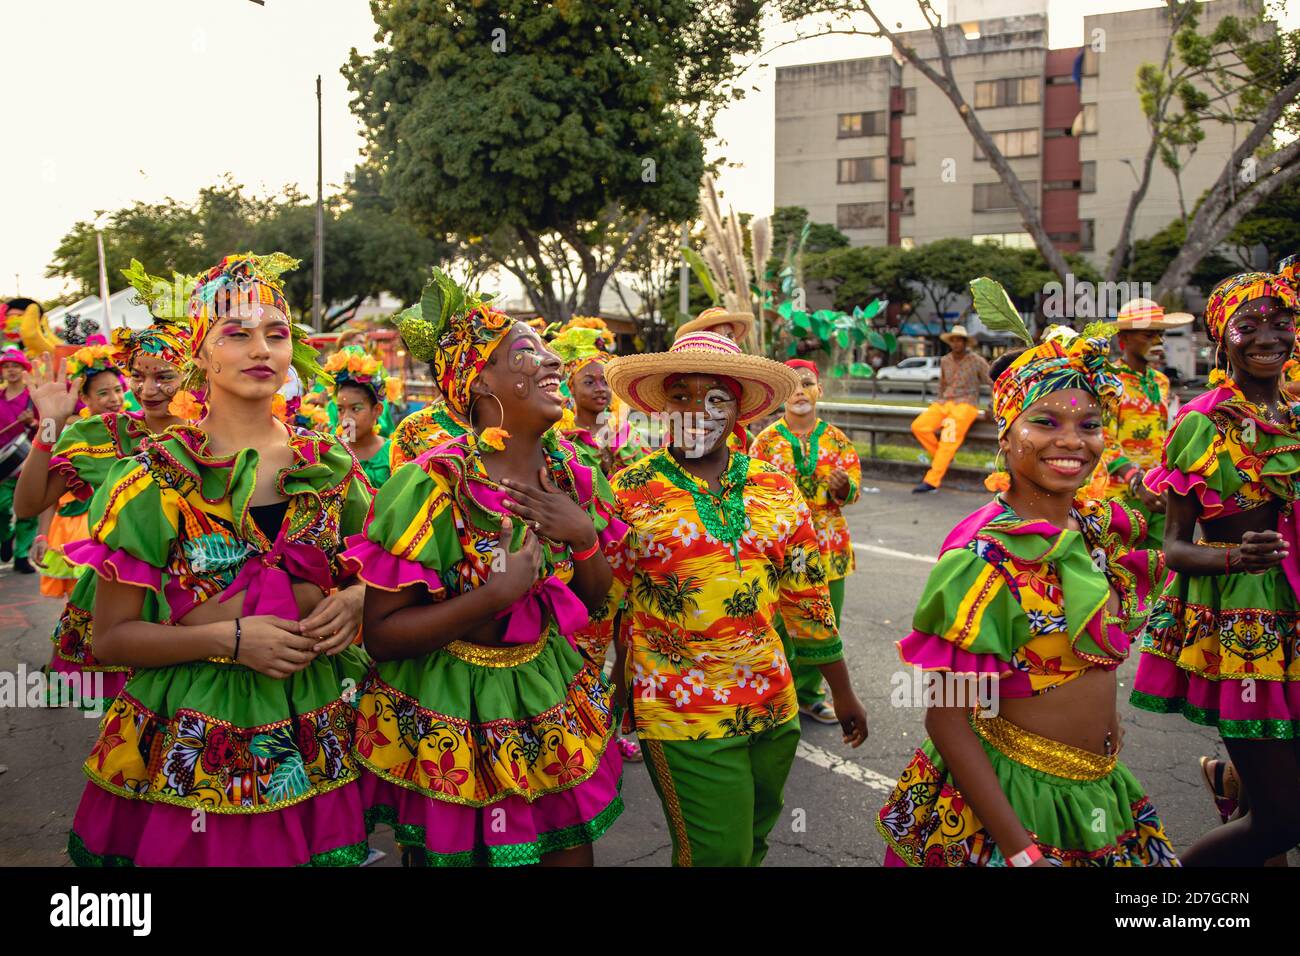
(1042, 753)
(511, 655)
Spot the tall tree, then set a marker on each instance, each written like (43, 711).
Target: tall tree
(548, 134)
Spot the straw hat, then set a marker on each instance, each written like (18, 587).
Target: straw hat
(958, 332)
(1143, 314)
(639, 379)
(717, 316)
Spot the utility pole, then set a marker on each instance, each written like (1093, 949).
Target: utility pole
(318, 266)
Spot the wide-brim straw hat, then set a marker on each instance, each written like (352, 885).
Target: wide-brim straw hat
(1143, 314)
(639, 379)
(717, 316)
(958, 332)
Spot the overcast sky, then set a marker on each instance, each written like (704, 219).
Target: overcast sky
(111, 101)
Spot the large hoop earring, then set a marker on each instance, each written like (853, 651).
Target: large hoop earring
(501, 412)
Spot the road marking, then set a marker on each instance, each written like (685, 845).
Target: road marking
(891, 553)
(829, 761)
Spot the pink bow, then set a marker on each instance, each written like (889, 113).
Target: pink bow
(266, 578)
(527, 615)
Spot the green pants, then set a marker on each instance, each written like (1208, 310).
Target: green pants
(23, 531)
(808, 677)
(722, 796)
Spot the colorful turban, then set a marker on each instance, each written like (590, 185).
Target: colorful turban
(353, 365)
(1065, 359)
(91, 360)
(1289, 269)
(1235, 291)
(577, 347)
(168, 338)
(456, 331)
(239, 285)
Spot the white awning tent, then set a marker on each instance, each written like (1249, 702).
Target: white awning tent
(121, 305)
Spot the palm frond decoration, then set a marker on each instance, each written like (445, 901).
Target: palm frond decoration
(996, 310)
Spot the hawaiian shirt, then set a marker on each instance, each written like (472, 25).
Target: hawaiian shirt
(420, 431)
(702, 578)
(1135, 432)
(961, 378)
(809, 460)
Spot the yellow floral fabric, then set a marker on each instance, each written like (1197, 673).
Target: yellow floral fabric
(705, 659)
(1135, 433)
(420, 431)
(834, 450)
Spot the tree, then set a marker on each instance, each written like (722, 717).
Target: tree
(788, 222)
(855, 276)
(649, 272)
(551, 134)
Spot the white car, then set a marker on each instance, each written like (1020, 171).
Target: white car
(911, 371)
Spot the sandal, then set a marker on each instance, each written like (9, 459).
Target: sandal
(822, 712)
(1219, 776)
(630, 749)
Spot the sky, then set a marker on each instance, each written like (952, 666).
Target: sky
(108, 103)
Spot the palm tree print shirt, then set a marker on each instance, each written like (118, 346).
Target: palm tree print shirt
(704, 657)
(1135, 433)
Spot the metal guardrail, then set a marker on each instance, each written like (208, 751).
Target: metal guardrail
(876, 420)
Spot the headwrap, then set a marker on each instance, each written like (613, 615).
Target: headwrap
(1065, 359)
(455, 330)
(239, 284)
(353, 365)
(1235, 291)
(1289, 269)
(578, 347)
(605, 337)
(168, 338)
(804, 363)
(91, 360)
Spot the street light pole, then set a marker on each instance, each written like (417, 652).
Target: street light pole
(103, 276)
(318, 277)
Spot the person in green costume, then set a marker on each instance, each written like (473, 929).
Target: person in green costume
(361, 389)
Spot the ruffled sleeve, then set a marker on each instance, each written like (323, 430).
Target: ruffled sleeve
(967, 620)
(410, 534)
(133, 525)
(1191, 465)
(83, 455)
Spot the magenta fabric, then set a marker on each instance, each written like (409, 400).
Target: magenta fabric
(528, 614)
(892, 858)
(266, 577)
(932, 653)
(10, 409)
(385, 570)
(159, 834)
(1273, 700)
(455, 828)
(71, 478)
(1160, 479)
(111, 682)
(113, 565)
(969, 526)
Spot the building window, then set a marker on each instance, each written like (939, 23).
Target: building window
(994, 196)
(909, 101)
(1089, 124)
(1090, 61)
(1013, 143)
(1009, 92)
(1086, 235)
(1011, 240)
(1053, 184)
(861, 215)
(907, 205)
(1088, 182)
(909, 152)
(863, 169)
(863, 124)
(1063, 236)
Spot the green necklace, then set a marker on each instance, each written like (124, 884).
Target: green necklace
(805, 461)
(723, 515)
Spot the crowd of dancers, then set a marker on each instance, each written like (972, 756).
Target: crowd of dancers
(304, 619)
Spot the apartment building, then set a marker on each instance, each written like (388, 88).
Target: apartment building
(874, 147)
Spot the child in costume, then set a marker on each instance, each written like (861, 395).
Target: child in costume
(824, 465)
(1030, 606)
(1220, 647)
(100, 392)
(361, 388)
(77, 462)
(17, 421)
(719, 546)
(218, 549)
(484, 732)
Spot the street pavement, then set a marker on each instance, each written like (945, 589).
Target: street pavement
(833, 792)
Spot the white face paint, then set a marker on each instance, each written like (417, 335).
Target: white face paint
(702, 431)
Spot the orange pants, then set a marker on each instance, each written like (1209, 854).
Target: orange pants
(941, 429)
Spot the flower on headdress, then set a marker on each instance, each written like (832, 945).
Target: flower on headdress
(280, 408)
(92, 359)
(185, 406)
(393, 389)
(494, 438)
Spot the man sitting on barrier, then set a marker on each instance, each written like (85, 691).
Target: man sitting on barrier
(942, 427)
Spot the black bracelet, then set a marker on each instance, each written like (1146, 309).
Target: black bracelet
(238, 635)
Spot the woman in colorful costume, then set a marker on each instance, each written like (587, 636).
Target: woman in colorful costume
(719, 546)
(1220, 647)
(484, 731)
(361, 389)
(611, 445)
(1036, 592)
(99, 392)
(77, 463)
(218, 548)
(824, 465)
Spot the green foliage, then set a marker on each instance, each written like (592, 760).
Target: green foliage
(996, 310)
(788, 222)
